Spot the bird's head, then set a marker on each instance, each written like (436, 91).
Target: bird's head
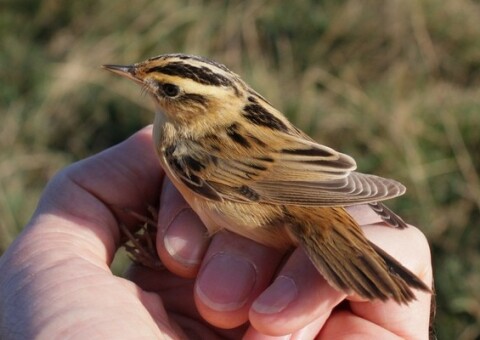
(188, 89)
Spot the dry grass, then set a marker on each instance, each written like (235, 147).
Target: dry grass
(395, 84)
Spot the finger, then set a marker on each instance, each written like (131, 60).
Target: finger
(410, 247)
(182, 239)
(176, 294)
(298, 296)
(343, 324)
(127, 175)
(310, 331)
(233, 273)
(86, 199)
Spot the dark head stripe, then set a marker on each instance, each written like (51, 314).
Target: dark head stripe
(190, 57)
(202, 75)
(195, 99)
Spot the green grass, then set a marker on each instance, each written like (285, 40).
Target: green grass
(396, 84)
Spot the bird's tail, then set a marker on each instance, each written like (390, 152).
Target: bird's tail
(339, 250)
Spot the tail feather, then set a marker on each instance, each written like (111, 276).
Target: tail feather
(342, 254)
(395, 268)
(387, 215)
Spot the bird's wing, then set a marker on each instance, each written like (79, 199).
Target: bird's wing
(286, 170)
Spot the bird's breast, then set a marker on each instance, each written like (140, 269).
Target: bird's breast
(263, 223)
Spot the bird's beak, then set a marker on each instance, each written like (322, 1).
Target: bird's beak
(128, 71)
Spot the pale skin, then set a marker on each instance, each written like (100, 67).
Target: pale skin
(55, 280)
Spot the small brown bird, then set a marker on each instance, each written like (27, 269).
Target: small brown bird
(243, 166)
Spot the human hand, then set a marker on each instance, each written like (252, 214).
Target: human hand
(55, 279)
(299, 304)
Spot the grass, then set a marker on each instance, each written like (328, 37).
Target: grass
(395, 84)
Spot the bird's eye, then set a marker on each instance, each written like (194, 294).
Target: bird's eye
(170, 90)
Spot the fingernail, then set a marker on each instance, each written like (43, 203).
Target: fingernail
(226, 282)
(184, 240)
(277, 297)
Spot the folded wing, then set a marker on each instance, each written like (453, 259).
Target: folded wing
(291, 171)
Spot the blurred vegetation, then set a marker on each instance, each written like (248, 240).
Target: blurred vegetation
(394, 83)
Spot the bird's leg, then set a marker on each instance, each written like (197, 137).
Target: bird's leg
(140, 245)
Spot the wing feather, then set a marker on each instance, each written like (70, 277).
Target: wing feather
(354, 189)
(297, 172)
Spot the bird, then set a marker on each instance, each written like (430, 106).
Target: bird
(244, 167)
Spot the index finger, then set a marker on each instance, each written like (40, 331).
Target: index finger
(126, 176)
(95, 192)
